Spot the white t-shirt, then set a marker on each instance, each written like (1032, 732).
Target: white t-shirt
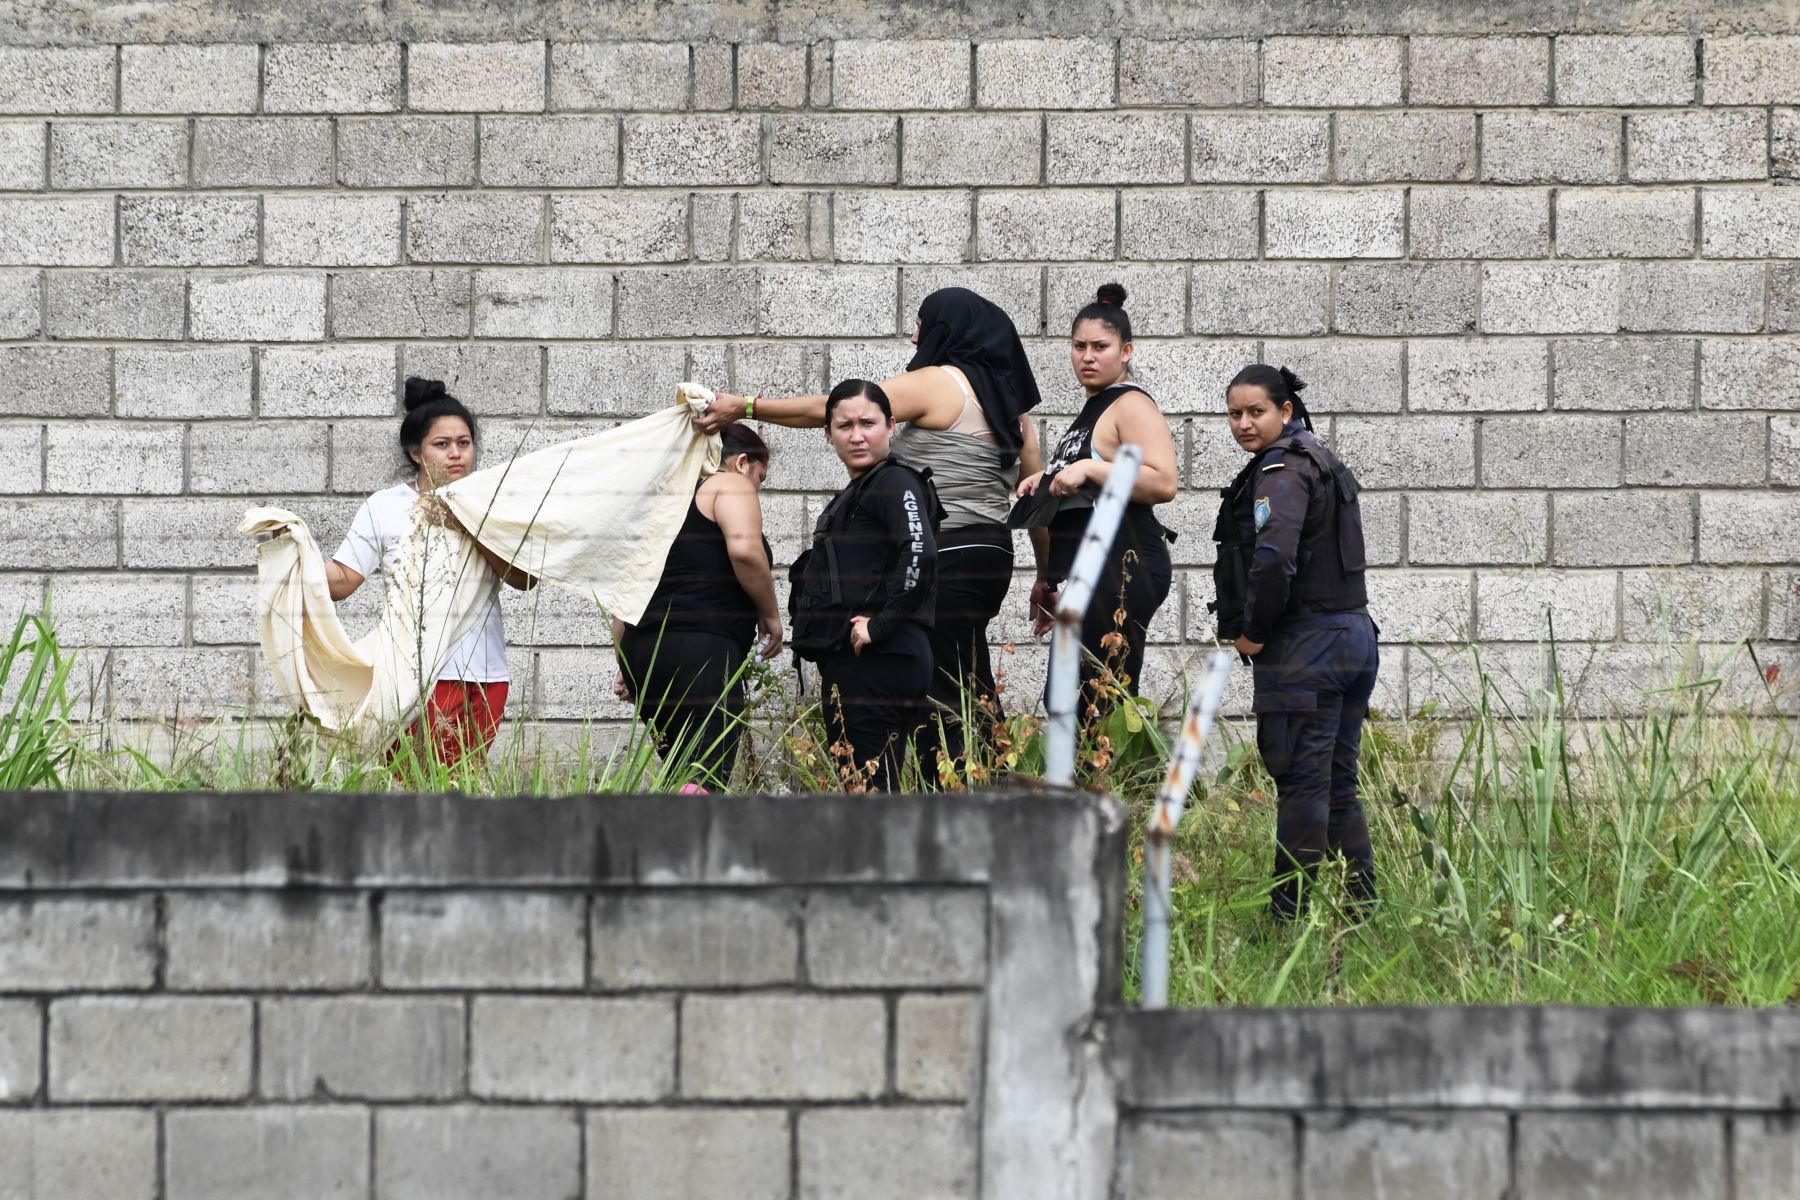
(373, 545)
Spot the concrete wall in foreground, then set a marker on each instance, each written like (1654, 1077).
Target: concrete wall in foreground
(232, 997)
(397, 997)
(1479, 1104)
(1536, 258)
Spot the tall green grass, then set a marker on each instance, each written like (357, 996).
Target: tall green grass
(1526, 854)
(38, 747)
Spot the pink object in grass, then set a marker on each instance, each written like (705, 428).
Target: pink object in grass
(693, 789)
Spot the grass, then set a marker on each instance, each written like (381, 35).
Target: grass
(1655, 863)
(1525, 855)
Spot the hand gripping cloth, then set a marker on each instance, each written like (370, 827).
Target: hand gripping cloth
(596, 515)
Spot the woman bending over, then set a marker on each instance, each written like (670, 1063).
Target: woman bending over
(682, 661)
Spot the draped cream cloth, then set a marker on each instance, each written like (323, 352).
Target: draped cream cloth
(596, 515)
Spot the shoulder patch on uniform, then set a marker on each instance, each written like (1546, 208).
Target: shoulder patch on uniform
(1274, 466)
(1262, 511)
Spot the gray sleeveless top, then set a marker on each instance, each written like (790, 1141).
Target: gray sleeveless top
(971, 484)
(965, 469)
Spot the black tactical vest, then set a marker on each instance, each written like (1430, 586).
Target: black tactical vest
(819, 605)
(1328, 575)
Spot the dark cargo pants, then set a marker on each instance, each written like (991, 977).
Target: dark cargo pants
(1313, 682)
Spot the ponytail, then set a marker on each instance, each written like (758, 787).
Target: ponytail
(1283, 386)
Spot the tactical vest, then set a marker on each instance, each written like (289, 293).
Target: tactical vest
(819, 608)
(1330, 560)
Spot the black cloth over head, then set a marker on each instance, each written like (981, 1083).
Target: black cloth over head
(1282, 385)
(961, 329)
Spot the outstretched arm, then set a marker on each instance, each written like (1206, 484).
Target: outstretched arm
(510, 575)
(929, 395)
(341, 579)
(796, 412)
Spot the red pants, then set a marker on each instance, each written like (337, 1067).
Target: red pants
(463, 718)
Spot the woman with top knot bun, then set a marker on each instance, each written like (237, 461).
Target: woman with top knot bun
(1056, 502)
(437, 442)
(1289, 578)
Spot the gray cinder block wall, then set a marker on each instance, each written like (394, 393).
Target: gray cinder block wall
(214, 997)
(1537, 260)
(1479, 1104)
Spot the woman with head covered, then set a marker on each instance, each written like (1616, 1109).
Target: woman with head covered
(963, 405)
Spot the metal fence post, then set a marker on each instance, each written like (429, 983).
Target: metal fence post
(1063, 698)
(1159, 840)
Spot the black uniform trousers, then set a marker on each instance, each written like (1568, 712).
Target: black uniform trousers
(689, 691)
(1137, 578)
(875, 701)
(1313, 681)
(974, 571)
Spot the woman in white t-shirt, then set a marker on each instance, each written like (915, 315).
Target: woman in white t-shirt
(438, 437)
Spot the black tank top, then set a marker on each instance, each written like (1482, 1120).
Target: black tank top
(699, 590)
(1067, 517)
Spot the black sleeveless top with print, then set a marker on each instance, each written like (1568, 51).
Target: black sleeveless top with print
(1066, 517)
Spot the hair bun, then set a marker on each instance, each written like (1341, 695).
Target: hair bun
(423, 391)
(1295, 384)
(1110, 293)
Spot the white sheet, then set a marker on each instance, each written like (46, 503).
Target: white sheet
(596, 516)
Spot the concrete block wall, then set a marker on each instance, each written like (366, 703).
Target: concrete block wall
(1481, 1104)
(533, 1043)
(792, 997)
(1540, 268)
(390, 997)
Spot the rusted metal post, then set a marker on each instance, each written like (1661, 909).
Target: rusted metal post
(1063, 699)
(1159, 839)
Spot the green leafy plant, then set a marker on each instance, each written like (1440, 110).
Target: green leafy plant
(37, 744)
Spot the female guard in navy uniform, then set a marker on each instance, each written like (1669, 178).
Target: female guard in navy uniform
(1291, 596)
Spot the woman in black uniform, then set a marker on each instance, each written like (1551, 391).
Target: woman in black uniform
(681, 660)
(963, 402)
(1291, 597)
(1056, 503)
(862, 595)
